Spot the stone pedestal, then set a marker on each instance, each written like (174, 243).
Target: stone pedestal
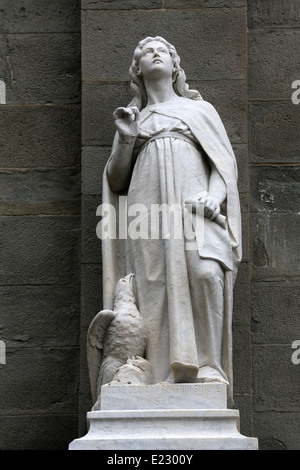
(164, 417)
(163, 396)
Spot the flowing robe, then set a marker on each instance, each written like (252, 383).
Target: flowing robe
(189, 320)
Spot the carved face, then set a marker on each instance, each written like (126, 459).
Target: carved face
(155, 61)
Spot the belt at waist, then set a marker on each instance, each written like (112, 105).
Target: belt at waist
(162, 135)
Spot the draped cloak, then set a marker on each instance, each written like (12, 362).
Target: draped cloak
(207, 128)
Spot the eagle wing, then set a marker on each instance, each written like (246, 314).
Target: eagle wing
(95, 339)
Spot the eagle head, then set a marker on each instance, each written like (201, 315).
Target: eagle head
(124, 289)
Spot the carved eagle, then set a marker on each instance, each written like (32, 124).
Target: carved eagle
(114, 336)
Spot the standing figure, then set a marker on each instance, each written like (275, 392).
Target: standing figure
(171, 148)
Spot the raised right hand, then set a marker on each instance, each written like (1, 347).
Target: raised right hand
(127, 122)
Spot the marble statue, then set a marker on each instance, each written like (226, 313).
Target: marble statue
(170, 150)
(118, 335)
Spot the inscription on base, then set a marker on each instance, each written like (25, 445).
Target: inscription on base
(164, 396)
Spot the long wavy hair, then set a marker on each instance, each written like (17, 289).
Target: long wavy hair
(180, 86)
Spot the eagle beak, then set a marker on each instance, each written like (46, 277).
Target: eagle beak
(130, 277)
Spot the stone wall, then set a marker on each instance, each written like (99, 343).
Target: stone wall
(40, 223)
(274, 156)
(212, 43)
(248, 78)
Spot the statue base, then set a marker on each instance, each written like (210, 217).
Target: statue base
(164, 417)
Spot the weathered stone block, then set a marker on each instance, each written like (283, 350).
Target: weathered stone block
(37, 136)
(39, 250)
(275, 310)
(39, 432)
(121, 4)
(276, 380)
(85, 405)
(33, 192)
(93, 161)
(274, 132)
(35, 316)
(266, 13)
(98, 104)
(91, 244)
(244, 202)
(85, 394)
(29, 16)
(207, 57)
(230, 100)
(243, 403)
(245, 237)
(224, 3)
(275, 246)
(25, 58)
(40, 379)
(275, 189)
(277, 431)
(241, 297)
(91, 292)
(267, 80)
(241, 359)
(241, 155)
(204, 3)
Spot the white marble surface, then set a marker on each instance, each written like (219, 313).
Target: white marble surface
(171, 147)
(163, 396)
(132, 418)
(164, 429)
